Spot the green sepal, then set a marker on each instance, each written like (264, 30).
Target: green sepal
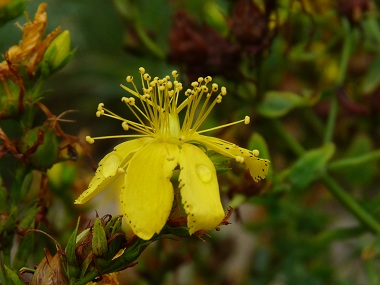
(99, 239)
(72, 269)
(13, 276)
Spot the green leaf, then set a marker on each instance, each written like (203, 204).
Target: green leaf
(309, 166)
(13, 276)
(278, 103)
(72, 263)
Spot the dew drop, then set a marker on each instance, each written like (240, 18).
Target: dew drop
(203, 172)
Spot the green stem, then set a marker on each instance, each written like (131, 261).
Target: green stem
(141, 32)
(293, 144)
(346, 51)
(331, 121)
(354, 161)
(351, 204)
(345, 57)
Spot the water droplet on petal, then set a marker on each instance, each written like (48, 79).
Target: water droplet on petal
(203, 172)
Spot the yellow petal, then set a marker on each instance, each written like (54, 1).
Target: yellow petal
(147, 196)
(199, 189)
(111, 167)
(258, 167)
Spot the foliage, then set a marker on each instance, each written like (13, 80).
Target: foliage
(306, 72)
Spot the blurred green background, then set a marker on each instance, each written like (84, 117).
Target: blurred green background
(307, 72)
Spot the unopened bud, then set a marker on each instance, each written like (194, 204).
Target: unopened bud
(99, 240)
(58, 54)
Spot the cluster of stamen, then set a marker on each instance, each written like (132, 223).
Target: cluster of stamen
(157, 112)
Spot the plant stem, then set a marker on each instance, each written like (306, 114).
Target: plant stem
(331, 121)
(351, 204)
(293, 144)
(354, 161)
(141, 32)
(345, 57)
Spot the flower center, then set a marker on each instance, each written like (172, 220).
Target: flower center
(156, 109)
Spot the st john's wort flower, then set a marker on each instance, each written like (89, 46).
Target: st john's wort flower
(160, 144)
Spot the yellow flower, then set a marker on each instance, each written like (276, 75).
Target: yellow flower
(160, 145)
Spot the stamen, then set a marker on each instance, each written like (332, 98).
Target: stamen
(245, 121)
(125, 126)
(90, 140)
(223, 91)
(239, 159)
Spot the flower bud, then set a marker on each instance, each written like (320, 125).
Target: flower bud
(58, 54)
(10, 10)
(99, 240)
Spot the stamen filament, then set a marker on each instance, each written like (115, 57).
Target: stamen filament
(223, 126)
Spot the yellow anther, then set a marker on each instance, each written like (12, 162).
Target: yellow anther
(161, 87)
(223, 91)
(90, 140)
(142, 70)
(219, 99)
(169, 84)
(171, 93)
(214, 87)
(204, 88)
(170, 157)
(200, 79)
(99, 113)
(146, 77)
(194, 84)
(131, 101)
(175, 73)
(208, 79)
(255, 152)
(239, 159)
(125, 100)
(125, 126)
(247, 120)
(129, 78)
